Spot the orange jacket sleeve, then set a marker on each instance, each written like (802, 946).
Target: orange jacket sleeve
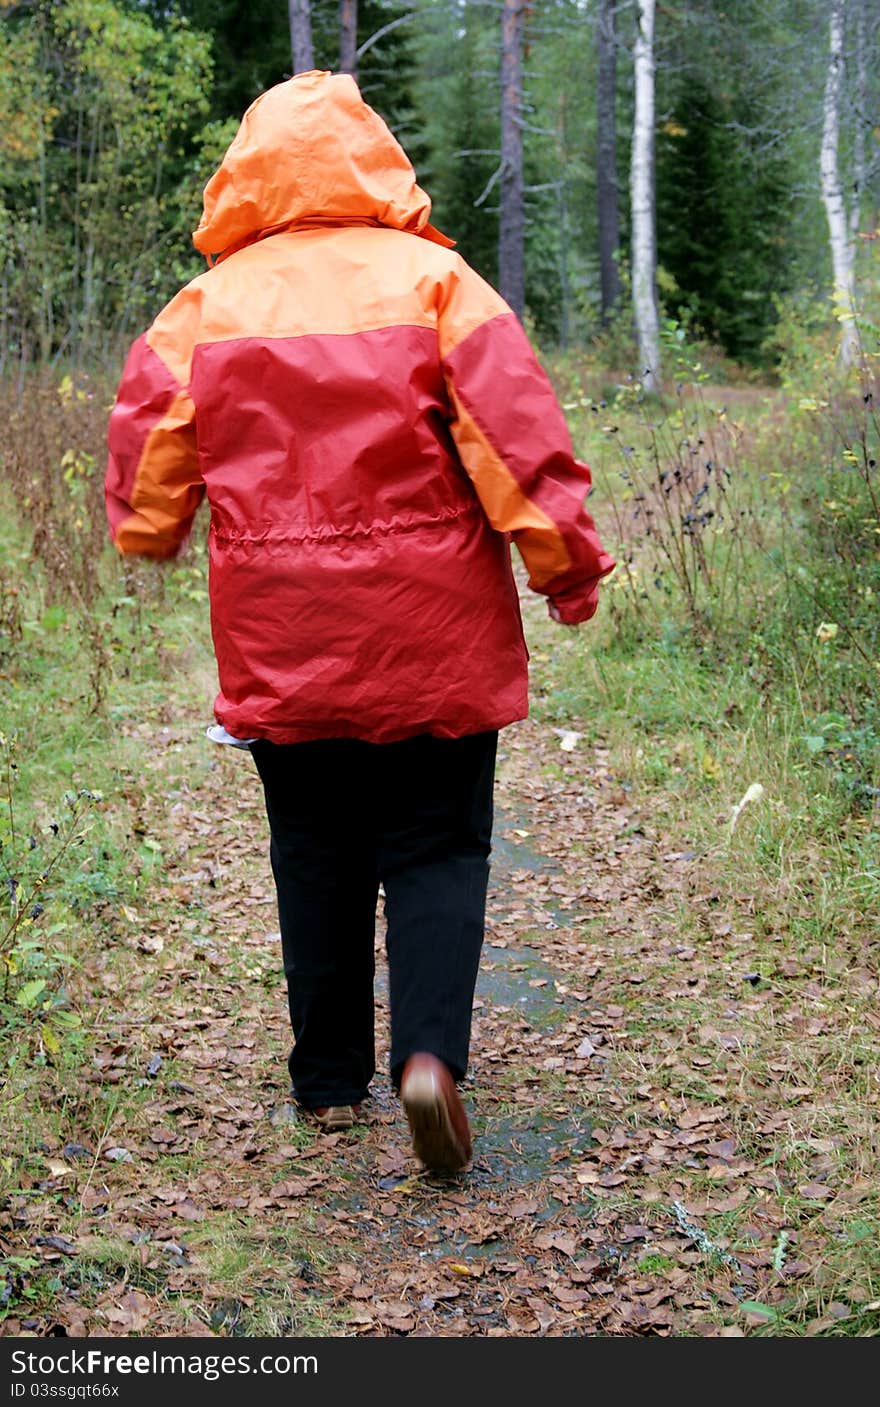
(514, 443)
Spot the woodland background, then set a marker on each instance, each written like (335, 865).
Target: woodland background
(114, 115)
(674, 1089)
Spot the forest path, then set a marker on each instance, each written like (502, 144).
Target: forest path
(192, 1198)
(350, 1221)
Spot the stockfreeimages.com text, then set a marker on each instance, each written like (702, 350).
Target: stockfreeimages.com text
(94, 1362)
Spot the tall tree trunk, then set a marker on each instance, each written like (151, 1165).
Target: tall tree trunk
(348, 23)
(644, 233)
(842, 247)
(863, 121)
(606, 159)
(564, 259)
(511, 233)
(564, 241)
(299, 13)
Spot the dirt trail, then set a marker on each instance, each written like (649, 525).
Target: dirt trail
(512, 1247)
(525, 1243)
(617, 1143)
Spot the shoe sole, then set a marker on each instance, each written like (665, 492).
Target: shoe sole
(434, 1139)
(339, 1118)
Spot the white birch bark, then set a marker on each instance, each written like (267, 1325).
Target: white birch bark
(863, 121)
(644, 235)
(839, 230)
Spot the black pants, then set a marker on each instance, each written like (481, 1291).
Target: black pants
(345, 816)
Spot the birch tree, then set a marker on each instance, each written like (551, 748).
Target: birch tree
(644, 233)
(839, 229)
(606, 158)
(511, 233)
(862, 120)
(301, 48)
(348, 22)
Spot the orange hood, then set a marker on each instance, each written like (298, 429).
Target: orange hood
(307, 151)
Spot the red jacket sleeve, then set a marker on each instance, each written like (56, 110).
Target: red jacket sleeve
(514, 443)
(153, 486)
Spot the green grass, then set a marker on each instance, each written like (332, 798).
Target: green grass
(274, 1278)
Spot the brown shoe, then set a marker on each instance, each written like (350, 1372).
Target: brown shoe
(336, 1117)
(440, 1134)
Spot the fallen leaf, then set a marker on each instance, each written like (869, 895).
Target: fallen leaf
(815, 1192)
(693, 1118)
(296, 1186)
(522, 1321)
(130, 1313)
(556, 1241)
(59, 1243)
(187, 1211)
(59, 1169)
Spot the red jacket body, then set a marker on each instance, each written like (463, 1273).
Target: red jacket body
(371, 428)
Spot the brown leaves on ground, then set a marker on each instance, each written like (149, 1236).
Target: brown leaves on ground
(661, 1144)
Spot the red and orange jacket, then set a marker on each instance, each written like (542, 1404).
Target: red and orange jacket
(371, 428)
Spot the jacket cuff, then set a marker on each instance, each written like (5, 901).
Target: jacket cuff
(578, 603)
(573, 612)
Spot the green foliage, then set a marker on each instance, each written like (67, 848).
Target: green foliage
(803, 339)
(681, 509)
(113, 113)
(461, 127)
(724, 234)
(105, 102)
(84, 644)
(462, 142)
(250, 46)
(35, 958)
(748, 543)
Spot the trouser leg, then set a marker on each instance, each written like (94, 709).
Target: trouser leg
(434, 829)
(324, 865)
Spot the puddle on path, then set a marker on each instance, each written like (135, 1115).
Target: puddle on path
(511, 856)
(505, 973)
(512, 1154)
(521, 1148)
(503, 981)
(510, 851)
